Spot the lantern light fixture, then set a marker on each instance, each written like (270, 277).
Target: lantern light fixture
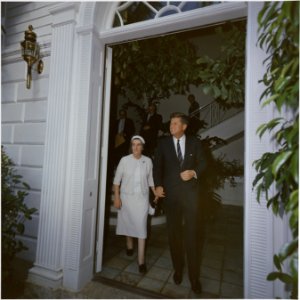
(31, 54)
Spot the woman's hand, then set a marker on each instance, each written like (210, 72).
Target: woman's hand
(117, 203)
(159, 192)
(156, 199)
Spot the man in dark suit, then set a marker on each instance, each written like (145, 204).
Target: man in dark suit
(152, 123)
(194, 115)
(124, 130)
(178, 163)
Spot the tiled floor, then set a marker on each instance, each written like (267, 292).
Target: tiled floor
(221, 267)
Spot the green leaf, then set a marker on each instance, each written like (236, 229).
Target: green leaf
(26, 185)
(20, 228)
(294, 265)
(207, 89)
(294, 168)
(286, 278)
(273, 276)
(270, 99)
(279, 161)
(216, 91)
(262, 13)
(257, 178)
(268, 126)
(293, 201)
(288, 248)
(277, 262)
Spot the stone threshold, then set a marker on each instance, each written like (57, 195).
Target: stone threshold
(129, 288)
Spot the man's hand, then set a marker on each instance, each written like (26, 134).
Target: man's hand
(187, 175)
(159, 192)
(117, 203)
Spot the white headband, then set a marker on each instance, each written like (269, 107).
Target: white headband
(139, 138)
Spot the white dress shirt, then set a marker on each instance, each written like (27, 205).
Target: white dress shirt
(121, 125)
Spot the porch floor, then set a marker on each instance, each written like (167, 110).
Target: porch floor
(221, 266)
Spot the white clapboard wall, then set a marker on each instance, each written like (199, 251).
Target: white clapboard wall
(24, 110)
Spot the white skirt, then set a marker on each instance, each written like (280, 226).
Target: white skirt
(132, 217)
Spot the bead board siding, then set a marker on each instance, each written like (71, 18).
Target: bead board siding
(50, 234)
(258, 220)
(24, 110)
(18, 18)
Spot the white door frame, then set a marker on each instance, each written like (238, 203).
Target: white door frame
(194, 19)
(103, 158)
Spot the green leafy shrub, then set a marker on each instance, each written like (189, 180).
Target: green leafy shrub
(223, 78)
(155, 68)
(14, 212)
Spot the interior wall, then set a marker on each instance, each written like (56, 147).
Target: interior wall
(233, 150)
(206, 43)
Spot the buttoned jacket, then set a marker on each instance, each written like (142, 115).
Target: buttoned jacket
(126, 178)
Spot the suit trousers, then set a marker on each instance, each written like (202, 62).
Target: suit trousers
(182, 212)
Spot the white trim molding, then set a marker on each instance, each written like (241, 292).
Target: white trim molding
(48, 267)
(187, 21)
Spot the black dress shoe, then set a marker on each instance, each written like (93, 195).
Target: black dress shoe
(177, 277)
(196, 286)
(142, 268)
(129, 252)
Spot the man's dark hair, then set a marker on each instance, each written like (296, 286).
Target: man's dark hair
(184, 118)
(153, 105)
(122, 111)
(191, 96)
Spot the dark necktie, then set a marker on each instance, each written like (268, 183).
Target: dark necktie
(179, 154)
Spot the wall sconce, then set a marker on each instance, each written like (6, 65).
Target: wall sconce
(31, 54)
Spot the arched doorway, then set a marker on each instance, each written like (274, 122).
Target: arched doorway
(118, 35)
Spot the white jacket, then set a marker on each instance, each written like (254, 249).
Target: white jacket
(125, 174)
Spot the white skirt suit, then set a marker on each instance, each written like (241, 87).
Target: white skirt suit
(135, 177)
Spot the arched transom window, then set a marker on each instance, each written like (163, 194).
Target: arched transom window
(138, 11)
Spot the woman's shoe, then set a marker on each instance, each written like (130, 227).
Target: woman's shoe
(142, 268)
(129, 252)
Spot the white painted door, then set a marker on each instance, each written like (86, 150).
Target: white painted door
(103, 158)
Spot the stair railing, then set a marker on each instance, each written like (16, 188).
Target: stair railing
(213, 114)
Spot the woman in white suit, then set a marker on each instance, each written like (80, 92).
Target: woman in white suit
(131, 187)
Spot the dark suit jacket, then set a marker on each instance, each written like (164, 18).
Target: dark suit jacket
(128, 129)
(155, 123)
(194, 107)
(167, 169)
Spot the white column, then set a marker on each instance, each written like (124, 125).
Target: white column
(48, 267)
(83, 165)
(263, 231)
